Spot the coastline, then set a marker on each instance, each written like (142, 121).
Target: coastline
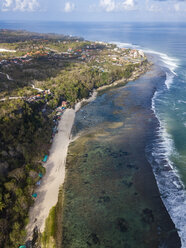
(163, 183)
(135, 75)
(137, 197)
(47, 192)
(55, 171)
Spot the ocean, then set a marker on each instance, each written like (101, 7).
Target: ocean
(166, 42)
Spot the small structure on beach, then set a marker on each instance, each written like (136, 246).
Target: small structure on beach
(34, 195)
(64, 104)
(40, 175)
(38, 183)
(45, 158)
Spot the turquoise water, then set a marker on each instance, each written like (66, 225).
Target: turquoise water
(167, 149)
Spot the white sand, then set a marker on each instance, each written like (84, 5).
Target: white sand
(55, 172)
(6, 50)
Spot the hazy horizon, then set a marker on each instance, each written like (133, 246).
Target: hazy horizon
(94, 10)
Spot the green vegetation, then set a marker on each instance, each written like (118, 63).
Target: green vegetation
(48, 235)
(51, 237)
(12, 36)
(70, 69)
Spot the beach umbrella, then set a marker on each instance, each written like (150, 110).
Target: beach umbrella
(40, 175)
(34, 195)
(45, 158)
(38, 183)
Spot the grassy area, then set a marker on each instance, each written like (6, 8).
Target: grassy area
(48, 235)
(51, 237)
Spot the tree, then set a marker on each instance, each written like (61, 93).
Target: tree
(2, 206)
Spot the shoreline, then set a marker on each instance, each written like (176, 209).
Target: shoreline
(135, 76)
(47, 192)
(55, 171)
(138, 195)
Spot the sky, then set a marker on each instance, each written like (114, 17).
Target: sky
(94, 10)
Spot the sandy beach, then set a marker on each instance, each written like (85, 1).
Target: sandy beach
(47, 192)
(6, 50)
(111, 198)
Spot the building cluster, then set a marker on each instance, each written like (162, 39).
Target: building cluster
(136, 54)
(16, 60)
(37, 53)
(122, 56)
(86, 52)
(57, 117)
(41, 95)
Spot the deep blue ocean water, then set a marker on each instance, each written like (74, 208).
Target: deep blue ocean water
(167, 41)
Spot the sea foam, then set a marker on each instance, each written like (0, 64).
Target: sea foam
(169, 183)
(159, 153)
(161, 149)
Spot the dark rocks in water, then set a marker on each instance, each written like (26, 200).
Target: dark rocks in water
(118, 154)
(167, 168)
(114, 155)
(122, 225)
(125, 153)
(129, 166)
(104, 199)
(132, 166)
(93, 240)
(147, 216)
(128, 184)
(120, 165)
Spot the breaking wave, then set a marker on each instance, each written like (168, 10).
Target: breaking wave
(160, 150)
(171, 188)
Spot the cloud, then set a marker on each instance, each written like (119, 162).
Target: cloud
(108, 5)
(69, 7)
(129, 4)
(177, 7)
(154, 8)
(173, 5)
(7, 3)
(170, 0)
(112, 5)
(20, 5)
